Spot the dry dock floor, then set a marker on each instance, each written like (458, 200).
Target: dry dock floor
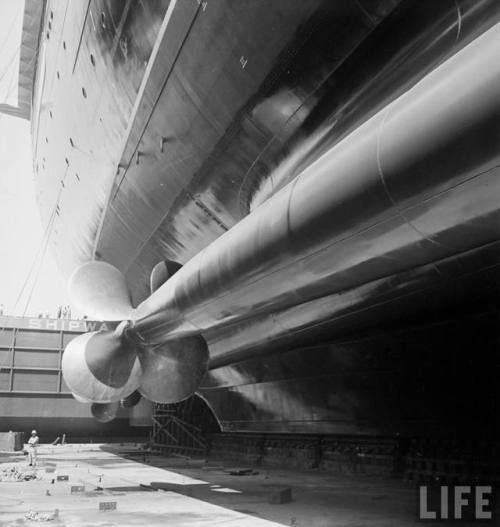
(193, 493)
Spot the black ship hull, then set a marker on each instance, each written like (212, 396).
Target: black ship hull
(159, 126)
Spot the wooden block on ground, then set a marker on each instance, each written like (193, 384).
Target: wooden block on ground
(75, 489)
(186, 490)
(279, 496)
(107, 505)
(239, 471)
(160, 485)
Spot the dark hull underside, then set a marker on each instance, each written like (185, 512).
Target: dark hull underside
(159, 126)
(428, 380)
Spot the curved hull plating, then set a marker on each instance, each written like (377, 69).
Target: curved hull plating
(159, 126)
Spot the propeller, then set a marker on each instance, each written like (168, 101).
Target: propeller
(131, 400)
(100, 290)
(171, 372)
(113, 368)
(80, 399)
(101, 366)
(104, 413)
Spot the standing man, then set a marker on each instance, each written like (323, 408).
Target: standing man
(32, 448)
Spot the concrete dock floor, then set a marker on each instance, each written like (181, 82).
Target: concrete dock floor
(192, 493)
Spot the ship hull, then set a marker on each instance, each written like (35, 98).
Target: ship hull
(159, 127)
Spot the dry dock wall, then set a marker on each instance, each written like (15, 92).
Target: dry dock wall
(33, 393)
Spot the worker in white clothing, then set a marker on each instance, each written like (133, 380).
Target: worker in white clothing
(32, 448)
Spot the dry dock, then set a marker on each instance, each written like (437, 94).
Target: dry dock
(192, 493)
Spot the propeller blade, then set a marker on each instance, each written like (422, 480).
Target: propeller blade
(80, 399)
(104, 413)
(99, 290)
(161, 272)
(131, 400)
(101, 367)
(172, 371)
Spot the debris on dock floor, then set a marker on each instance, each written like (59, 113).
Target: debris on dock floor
(14, 474)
